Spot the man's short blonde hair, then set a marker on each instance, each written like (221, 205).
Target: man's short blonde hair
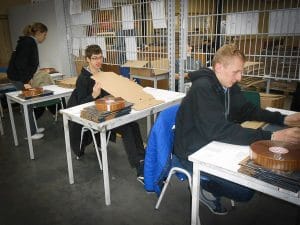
(225, 54)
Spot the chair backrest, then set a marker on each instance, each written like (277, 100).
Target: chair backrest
(159, 149)
(253, 97)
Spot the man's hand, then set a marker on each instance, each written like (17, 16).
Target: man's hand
(96, 89)
(291, 135)
(292, 120)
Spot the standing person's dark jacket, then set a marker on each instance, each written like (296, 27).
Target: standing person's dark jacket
(24, 60)
(208, 114)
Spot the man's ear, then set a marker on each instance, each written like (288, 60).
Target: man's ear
(218, 67)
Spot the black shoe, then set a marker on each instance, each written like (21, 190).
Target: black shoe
(141, 180)
(214, 205)
(79, 155)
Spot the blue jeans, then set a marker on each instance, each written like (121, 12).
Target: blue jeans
(220, 187)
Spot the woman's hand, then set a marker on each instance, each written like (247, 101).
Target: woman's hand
(292, 120)
(96, 89)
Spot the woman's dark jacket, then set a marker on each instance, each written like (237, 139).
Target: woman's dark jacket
(81, 94)
(208, 114)
(24, 60)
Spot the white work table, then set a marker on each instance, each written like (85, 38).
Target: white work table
(154, 78)
(73, 114)
(222, 160)
(58, 92)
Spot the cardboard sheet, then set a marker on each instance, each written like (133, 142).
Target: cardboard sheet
(119, 86)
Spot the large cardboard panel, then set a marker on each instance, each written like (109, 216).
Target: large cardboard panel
(120, 86)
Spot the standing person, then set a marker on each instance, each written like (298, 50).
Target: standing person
(88, 90)
(212, 110)
(24, 63)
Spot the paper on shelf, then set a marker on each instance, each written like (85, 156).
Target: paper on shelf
(127, 17)
(75, 6)
(158, 14)
(131, 48)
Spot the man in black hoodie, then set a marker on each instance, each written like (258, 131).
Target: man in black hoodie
(213, 109)
(87, 90)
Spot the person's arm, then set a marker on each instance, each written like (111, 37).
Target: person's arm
(291, 135)
(242, 110)
(292, 120)
(96, 90)
(84, 87)
(23, 65)
(248, 111)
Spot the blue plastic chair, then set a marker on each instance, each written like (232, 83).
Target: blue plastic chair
(168, 164)
(160, 157)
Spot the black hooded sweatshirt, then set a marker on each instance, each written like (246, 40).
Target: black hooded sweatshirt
(208, 114)
(24, 60)
(80, 95)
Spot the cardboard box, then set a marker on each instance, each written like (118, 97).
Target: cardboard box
(3, 78)
(271, 100)
(67, 83)
(111, 68)
(148, 68)
(79, 64)
(151, 53)
(119, 86)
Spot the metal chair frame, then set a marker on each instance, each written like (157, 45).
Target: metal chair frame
(93, 132)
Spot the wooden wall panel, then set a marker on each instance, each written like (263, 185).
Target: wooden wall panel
(6, 49)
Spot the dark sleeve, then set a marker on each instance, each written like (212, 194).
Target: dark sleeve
(84, 86)
(209, 118)
(243, 110)
(25, 69)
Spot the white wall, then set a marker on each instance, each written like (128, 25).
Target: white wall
(53, 52)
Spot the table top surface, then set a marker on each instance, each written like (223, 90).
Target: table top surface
(159, 94)
(227, 156)
(56, 91)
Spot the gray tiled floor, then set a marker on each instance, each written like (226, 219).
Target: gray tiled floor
(37, 192)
